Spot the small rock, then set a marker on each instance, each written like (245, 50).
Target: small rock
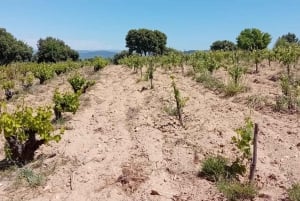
(153, 192)
(273, 78)
(272, 176)
(265, 196)
(282, 186)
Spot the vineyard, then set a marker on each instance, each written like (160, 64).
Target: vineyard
(173, 127)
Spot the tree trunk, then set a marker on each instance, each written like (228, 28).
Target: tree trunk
(22, 153)
(151, 85)
(9, 94)
(254, 157)
(57, 114)
(178, 107)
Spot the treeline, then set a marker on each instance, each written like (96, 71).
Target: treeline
(153, 43)
(49, 50)
(254, 39)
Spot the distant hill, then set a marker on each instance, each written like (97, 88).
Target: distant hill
(85, 54)
(189, 51)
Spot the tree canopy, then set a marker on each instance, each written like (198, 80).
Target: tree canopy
(253, 39)
(286, 40)
(12, 49)
(145, 41)
(119, 56)
(53, 50)
(223, 45)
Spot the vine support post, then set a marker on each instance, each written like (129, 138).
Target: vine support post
(254, 157)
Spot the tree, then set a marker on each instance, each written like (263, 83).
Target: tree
(290, 38)
(54, 50)
(119, 56)
(12, 49)
(286, 40)
(145, 41)
(224, 45)
(253, 39)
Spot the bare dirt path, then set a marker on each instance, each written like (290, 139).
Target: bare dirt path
(122, 145)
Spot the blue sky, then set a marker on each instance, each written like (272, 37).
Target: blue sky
(103, 24)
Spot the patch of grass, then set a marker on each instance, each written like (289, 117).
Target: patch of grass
(210, 82)
(214, 168)
(190, 73)
(233, 89)
(281, 103)
(170, 110)
(294, 192)
(256, 101)
(234, 190)
(60, 122)
(32, 178)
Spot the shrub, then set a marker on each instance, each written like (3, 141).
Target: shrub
(27, 81)
(236, 72)
(234, 190)
(244, 138)
(8, 86)
(120, 56)
(25, 131)
(43, 73)
(60, 68)
(180, 102)
(87, 85)
(100, 63)
(290, 94)
(281, 103)
(65, 102)
(294, 192)
(234, 86)
(79, 83)
(285, 85)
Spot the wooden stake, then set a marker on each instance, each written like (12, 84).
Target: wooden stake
(254, 157)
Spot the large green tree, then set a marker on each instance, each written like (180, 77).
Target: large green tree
(53, 50)
(253, 39)
(145, 41)
(12, 49)
(286, 40)
(224, 45)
